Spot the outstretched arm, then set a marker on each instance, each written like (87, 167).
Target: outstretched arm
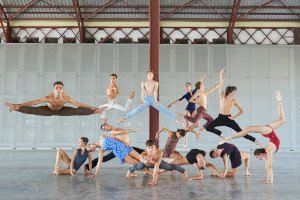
(78, 104)
(269, 169)
(213, 168)
(156, 91)
(169, 132)
(194, 97)
(100, 158)
(72, 161)
(196, 134)
(174, 102)
(221, 81)
(211, 90)
(156, 170)
(225, 161)
(199, 174)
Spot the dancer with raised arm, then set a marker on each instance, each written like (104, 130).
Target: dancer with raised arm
(267, 131)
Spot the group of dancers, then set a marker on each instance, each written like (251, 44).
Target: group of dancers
(151, 156)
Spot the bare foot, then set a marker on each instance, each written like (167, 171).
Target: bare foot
(248, 174)
(128, 175)
(131, 96)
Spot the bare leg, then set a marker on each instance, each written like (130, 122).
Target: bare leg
(61, 155)
(130, 160)
(181, 161)
(232, 173)
(279, 122)
(135, 155)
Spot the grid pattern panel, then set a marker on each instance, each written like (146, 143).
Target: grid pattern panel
(28, 73)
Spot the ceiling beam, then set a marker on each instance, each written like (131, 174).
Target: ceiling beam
(232, 21)
(176, 9)
(7, 30)
(79, 20)
(255, 8)
(99, 10)
(22, 9)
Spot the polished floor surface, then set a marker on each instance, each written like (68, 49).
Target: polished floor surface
(27, 174)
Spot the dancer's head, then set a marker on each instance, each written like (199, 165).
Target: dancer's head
(113, 78)
(188, 86)
(200, 86)
(215, 153)
(180, 133)
(260, 153)
(201, 163)
(150, 75)
(83, 141)
(106, 127)
(92, 147)
(151, 146)
(230, 91)
(58, 88)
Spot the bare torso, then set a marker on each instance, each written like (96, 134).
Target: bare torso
(150, 87)
(201, 100)
(56, 103)
(124, 136)
(152, 159)
(226, 104)
(112, 92)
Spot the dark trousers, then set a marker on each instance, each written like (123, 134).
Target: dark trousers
(223, 120)
(64, 111)
(200, 113)
(163, 165)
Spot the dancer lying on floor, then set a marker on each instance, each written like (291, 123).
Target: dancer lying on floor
(56, 101)
(74, 163)
(152, 158)
(267, 131)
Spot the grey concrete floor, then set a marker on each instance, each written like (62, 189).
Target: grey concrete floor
(27, 174)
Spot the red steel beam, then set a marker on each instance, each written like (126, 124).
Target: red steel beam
(8, 31)
(212, 9)
(99, 10)
(176, 9)
(54, 6)
(254, 9)
(79, 21)
(22, 9)
(287, 7)
(232, 21)
(154, 40)
(134, 7)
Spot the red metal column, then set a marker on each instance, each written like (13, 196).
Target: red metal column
(8, 31)
(232, 21)
(154, 11)
(79, 21)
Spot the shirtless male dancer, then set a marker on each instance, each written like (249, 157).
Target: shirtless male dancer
(152, 158)
(200, 98)
(55, 105)
(149, 95)
(227, 103)
(112, 94)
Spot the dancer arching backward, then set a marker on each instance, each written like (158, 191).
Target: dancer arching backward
(74, 163)
(197, 157)
(173, 138)
(191, 107)
(200, 98)
(235, 157)
(55, 105)
(267, 131)
(123, 152)
(120, 134)
(152, 158)
(227, 102)
(149, 95)
(112, 94)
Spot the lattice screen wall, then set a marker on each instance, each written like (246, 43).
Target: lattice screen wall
(28, 71)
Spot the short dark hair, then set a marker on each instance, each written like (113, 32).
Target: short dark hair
(230, 89)
(198, 84)
(115, 75)
(150, 71)
(101, 127)
(211, 153)
(181, 132)
(85, 140)
(150, 143)
(58, 83)
(259, 151)
(188, 83)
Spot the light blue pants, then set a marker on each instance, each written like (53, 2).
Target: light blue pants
(150, 101)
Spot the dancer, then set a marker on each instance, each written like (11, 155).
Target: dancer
(227, 103)
(149, 95)
(152, 158)
(173, 138)
(120, 134)
(197, 157)
(112, 94)
(74, 163)
(200, 98)
(123, 152)
(191, 107)
(55, 105)
(267, 131)
(235, 157)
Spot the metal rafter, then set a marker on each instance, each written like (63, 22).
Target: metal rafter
(254, 9)
(7, 32)
(23, 9)
(287, 7)
(232, 21)
(79, 20)
(99, 10)
(212, 9)
(56, 7)
(134, 7)
(176, 9)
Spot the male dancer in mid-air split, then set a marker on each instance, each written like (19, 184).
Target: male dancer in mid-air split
(149, 95)
(227, 102)
(200, 98)
(112, 94)
(55, 105)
